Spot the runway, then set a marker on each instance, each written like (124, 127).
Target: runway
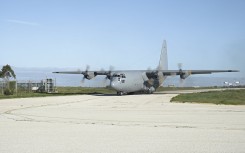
(109, 124)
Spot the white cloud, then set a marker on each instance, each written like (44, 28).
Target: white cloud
(23, 22)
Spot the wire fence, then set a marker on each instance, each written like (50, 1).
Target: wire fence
(27, 86)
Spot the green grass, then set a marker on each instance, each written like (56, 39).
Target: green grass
(183, 88)
(226, 97)
(82, 90)
(62, 91)
(234, 97)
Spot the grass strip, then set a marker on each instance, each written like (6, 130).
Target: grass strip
(62, 91)
(226, 97)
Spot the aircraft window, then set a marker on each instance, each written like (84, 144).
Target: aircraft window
(116, 75)
(123, 75)
(123, 81)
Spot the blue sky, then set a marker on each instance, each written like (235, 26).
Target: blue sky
(201, 34)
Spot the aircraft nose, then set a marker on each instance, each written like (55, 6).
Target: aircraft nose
(114, 85)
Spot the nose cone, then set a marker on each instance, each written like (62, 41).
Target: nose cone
(114, 85)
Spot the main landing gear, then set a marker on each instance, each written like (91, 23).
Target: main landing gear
(119, 93)
(149, 92)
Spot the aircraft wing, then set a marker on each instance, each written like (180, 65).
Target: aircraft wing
(70, 72)
(87, 74)
(185, 73)
(84, 72)
(179, 72)
(165, 72)
(182, 73)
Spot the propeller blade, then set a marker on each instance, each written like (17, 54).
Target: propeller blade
(111, 68)
(181, 82)
(83, 80)
(180, 65)
(87, 68)
(86, 73)
(181, 79)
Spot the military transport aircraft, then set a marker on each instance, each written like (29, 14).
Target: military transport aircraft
(147, 81)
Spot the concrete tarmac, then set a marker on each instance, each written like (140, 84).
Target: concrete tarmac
(119, 124)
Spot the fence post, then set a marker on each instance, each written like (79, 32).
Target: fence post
(2, 87)
(16, 87)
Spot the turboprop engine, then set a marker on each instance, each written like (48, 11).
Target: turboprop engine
(184, 75)
(89, 75)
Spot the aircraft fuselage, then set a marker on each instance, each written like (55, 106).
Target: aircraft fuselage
(128, 82)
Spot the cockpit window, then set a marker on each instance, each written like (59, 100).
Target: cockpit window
(123, 75)
(116, 75)
(119, 75)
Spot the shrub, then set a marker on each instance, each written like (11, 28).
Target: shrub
(8, 92)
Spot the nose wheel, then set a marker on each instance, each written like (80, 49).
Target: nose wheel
(119, 93)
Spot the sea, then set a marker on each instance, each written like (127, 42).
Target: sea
(76, 80)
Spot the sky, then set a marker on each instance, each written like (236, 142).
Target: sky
(126, 34)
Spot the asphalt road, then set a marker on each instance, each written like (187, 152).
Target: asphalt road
(119, 124)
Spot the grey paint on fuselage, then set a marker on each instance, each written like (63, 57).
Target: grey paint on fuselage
(134, 81)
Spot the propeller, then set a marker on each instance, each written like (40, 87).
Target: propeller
(87, 67)
(182, 75)
(108, 76)
(85, 74)
(180, 65)
(181, 82)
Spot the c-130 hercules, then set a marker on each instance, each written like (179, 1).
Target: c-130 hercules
(147, 81)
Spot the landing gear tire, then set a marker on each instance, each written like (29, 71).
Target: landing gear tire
(149, 92)
(119, 93)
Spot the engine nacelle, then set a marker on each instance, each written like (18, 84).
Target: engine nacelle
(184, 75)
(89, 75)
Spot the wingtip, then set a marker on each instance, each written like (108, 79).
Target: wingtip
(233, 71)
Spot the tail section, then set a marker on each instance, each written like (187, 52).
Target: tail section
(153, 83)
(163, 63)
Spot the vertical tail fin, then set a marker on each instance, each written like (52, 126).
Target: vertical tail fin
(163, 63)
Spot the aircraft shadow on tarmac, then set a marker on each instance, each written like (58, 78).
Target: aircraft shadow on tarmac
(104, 94)
(114, 94)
